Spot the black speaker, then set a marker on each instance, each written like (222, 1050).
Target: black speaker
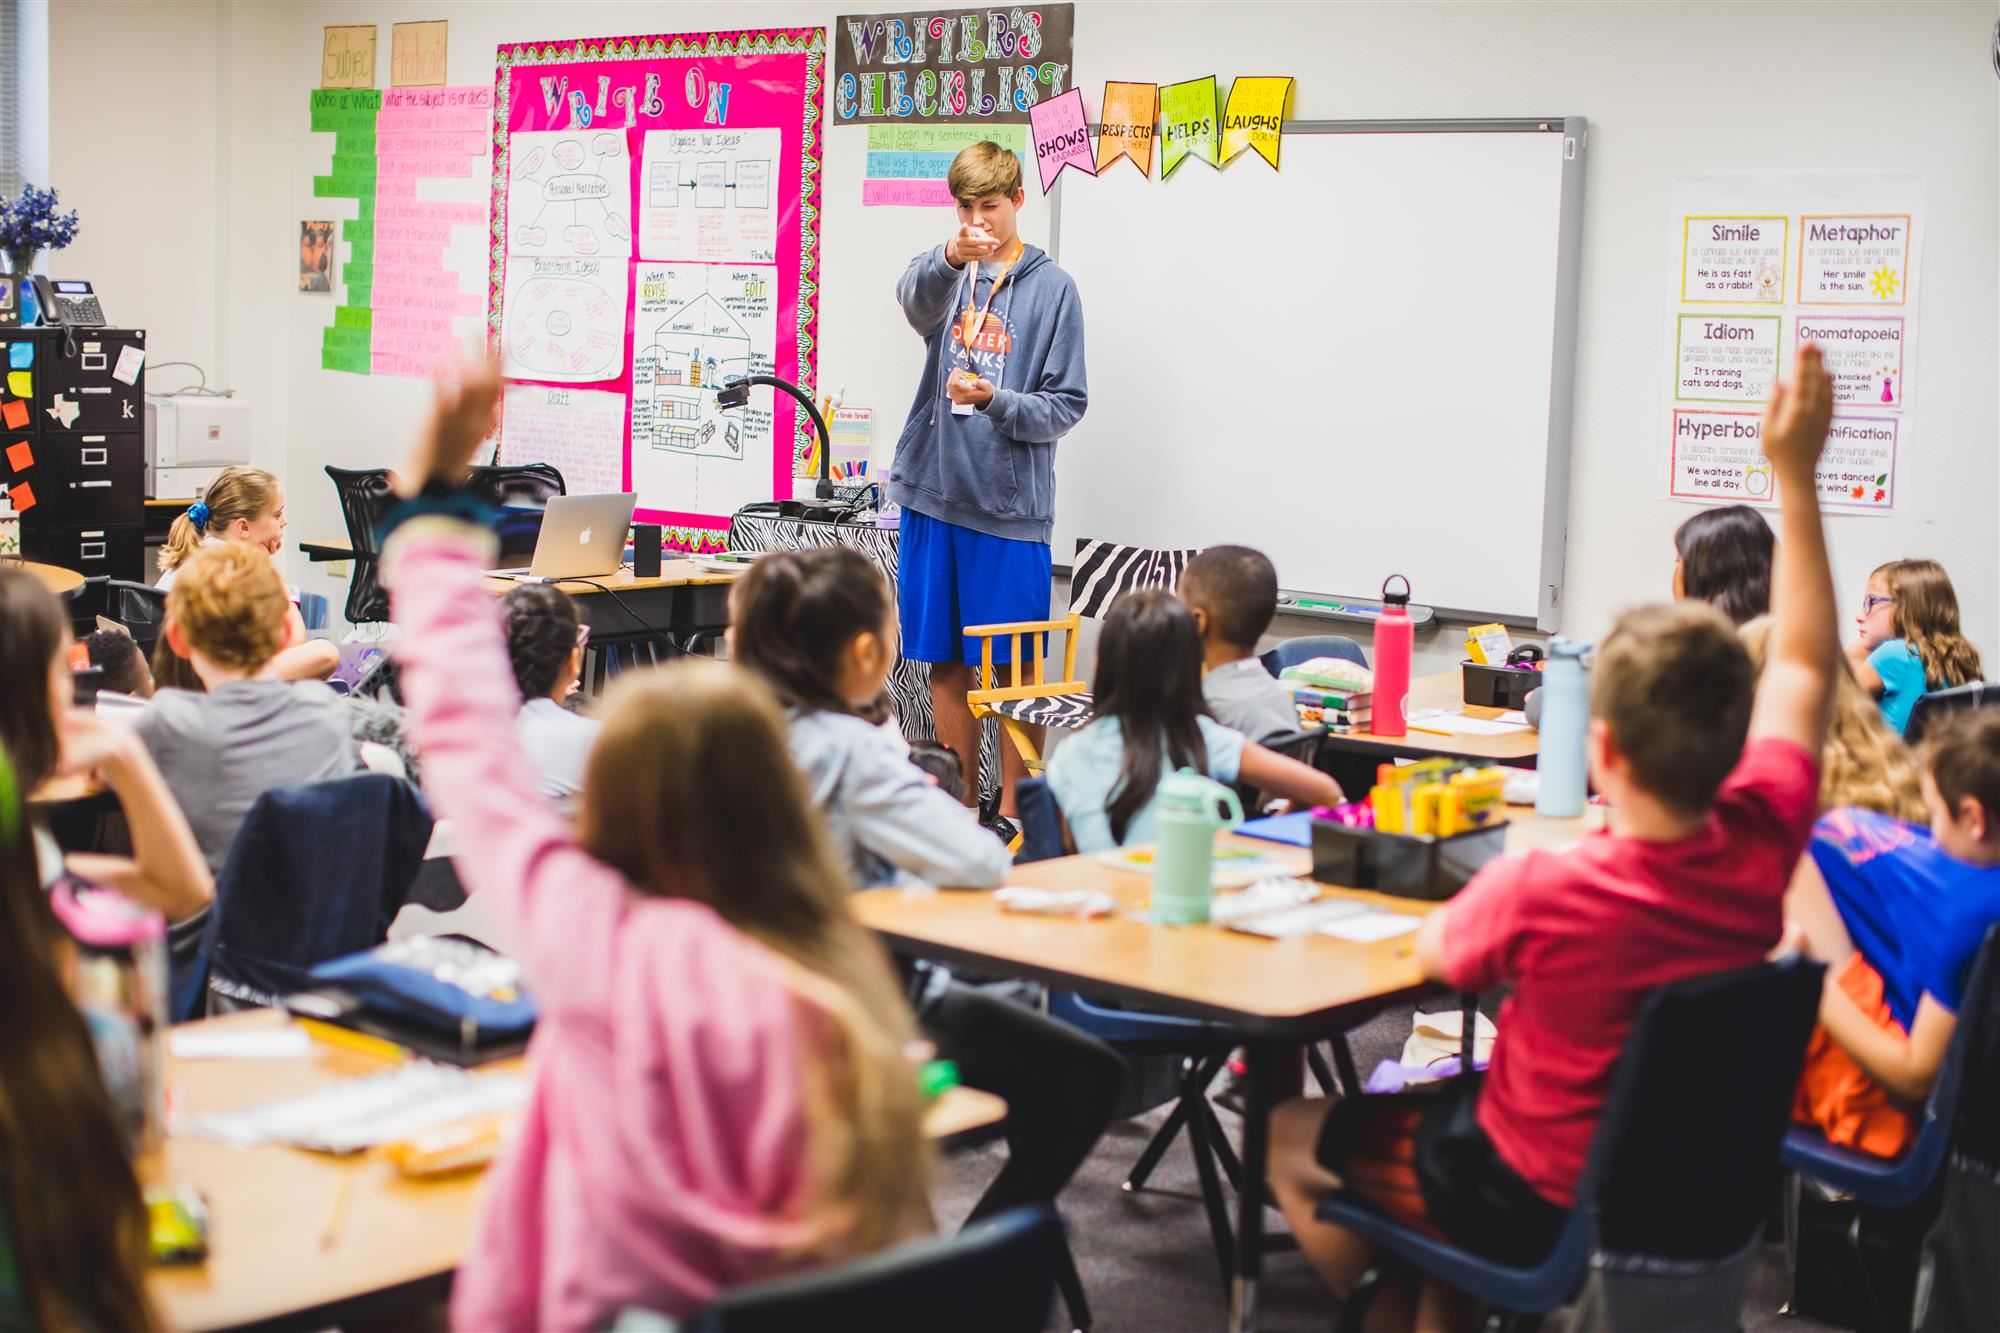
(646, 550)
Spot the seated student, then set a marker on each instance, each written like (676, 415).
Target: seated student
(1907, 640)
(1150, 721)
(1863, 762)
(246, 505)
(250, 731)
(1233, 592)
(73, 1228)
(46, 736)
(114, 652)
(1723, 557)
(1689, 879)
(819, 627)
(1898, 912)
(545, 642)
(721, 1086)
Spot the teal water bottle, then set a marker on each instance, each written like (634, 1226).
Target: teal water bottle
(1189, 810)
(1561, 765)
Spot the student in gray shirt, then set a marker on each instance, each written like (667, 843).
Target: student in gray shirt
(219, 751)
(545, 642)
(1233, 592)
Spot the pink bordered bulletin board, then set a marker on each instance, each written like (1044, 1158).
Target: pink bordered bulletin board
(752, 81)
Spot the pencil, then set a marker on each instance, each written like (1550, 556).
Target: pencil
(1429, 731)
(347, 1039)
(330, 1230)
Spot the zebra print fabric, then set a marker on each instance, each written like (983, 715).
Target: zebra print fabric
(1105, 571)
(1065, 712)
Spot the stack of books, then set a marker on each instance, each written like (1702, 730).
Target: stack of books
(1330, 693)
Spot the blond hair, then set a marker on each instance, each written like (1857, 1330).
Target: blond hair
(1673, 683)
(231, 606)
(1926, 617)
(236, 492)
(1863, 763)
(982, 170)
(690, 792)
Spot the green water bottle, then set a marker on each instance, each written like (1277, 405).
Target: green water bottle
(1188, 811)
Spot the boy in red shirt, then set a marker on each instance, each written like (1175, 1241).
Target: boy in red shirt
(1713, 793)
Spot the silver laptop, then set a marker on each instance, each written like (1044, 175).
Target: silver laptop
(583, 537)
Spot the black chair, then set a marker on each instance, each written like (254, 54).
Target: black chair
(1932, 707)
(88, 603)
(1681, 1171)
(139, 607)
(318, 871)
(365, 500)
(1300, 745)
(995, 1276)
(516, 486)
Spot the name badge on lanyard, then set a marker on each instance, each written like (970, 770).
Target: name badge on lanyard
(973, 325)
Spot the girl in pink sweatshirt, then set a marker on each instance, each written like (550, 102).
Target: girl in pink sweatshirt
(721, 1087)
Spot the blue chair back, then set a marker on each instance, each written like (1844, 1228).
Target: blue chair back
(317, 872)
(996, 1276)
(312, 610)
(1041, 821)
(1294, 651)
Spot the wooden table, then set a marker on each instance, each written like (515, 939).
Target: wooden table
(1444, 690)
(396, 1240)
(1277, 993)
(64, 583)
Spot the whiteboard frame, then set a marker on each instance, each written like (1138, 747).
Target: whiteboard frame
(1575, 131)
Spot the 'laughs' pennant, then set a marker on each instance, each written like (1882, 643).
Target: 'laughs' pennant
(1126, 128)
(1255, 117)
(1188, 124)
(1061, 135)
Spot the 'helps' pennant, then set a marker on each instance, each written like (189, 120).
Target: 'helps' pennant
(1188, 124)
(1255, 117)
(1126, 125)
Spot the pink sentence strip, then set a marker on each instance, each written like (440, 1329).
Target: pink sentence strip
(429, 143)
(429, 210)
(387, 168)
(892, 193)
(469, 96)
(415, 232)
(405, 254)
(428, 279)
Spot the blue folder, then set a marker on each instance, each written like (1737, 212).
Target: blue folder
(1294, 830)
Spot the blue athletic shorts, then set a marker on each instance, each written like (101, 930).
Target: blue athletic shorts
(948, 577)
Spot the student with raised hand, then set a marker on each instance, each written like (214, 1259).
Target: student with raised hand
(246, 505)
(73, 1227)
(1898, 911)
(722, 1085)
(545, 642)
(1722, 556)
(1151, 720)
(1713, 785)
(47, 736)
(251, 730)
(820, 628)
(1907, 641)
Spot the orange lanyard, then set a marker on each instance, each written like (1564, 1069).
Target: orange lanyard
(966, 327)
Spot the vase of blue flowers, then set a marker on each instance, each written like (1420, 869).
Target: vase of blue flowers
(29, 225)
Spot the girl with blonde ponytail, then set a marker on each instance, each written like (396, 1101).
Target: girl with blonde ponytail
(244, 504)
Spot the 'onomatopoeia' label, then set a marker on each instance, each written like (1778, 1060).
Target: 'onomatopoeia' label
(1864, 354)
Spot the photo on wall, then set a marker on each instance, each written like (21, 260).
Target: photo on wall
(316, 257)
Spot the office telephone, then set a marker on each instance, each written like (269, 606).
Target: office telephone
(68, 303)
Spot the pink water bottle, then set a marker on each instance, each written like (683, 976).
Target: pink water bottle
(1393, 637)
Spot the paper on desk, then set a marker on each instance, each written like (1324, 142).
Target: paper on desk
(1460, 725)
(1368, 927)
(286, 1042)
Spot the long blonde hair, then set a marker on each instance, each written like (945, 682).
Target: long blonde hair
(691, 793)
(1926, 617)
(237, 492)
(1864, 763)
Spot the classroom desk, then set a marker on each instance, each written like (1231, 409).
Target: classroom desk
(64, 583)
(1276, 993)
(1444, 690)
(396, 1238)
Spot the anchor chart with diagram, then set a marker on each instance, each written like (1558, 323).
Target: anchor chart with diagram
(694, 327)
(709, 195)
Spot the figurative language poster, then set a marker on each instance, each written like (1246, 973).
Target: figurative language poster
(1760, 264)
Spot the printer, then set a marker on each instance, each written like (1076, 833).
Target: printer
(190, 438)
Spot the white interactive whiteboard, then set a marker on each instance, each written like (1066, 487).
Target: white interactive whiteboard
(1361, 364)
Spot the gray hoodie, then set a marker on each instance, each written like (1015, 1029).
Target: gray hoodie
(883, 814)
(991, 471)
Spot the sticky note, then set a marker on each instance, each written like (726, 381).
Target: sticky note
(21, 383)
(130, 361)
(23, 496)
(20, 456)
(15, 415)
(21, 356)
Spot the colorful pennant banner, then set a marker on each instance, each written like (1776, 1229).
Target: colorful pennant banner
(1062, 137)
(1126, 128)
(1255, 117)
(1189, 125)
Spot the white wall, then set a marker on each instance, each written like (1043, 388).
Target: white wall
(195, 166)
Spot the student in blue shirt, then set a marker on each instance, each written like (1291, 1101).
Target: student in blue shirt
(1898, 913)
(1908, 641)
(1150, 720)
